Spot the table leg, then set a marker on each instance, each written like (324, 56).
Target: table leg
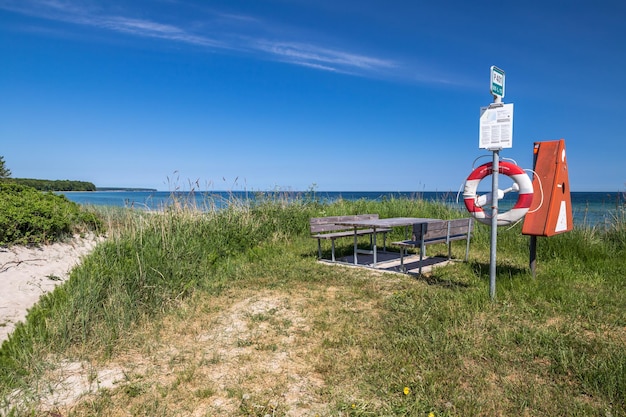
(402, 250)
(374, 246)
(355, 247)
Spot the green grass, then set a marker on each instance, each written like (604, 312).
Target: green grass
(361, 343)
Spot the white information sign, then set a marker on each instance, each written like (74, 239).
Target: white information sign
(496, 127)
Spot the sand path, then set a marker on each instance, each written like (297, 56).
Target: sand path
(27, 273)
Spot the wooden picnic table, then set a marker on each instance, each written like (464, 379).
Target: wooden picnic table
(379, 224)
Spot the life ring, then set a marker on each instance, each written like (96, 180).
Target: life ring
(523, 186)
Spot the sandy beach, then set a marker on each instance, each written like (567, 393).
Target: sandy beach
(26, 273)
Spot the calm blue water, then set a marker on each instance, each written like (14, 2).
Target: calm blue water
(589, 208)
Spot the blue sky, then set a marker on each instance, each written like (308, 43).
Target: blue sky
(368, 95)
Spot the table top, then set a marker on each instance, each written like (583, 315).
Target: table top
(389, 222)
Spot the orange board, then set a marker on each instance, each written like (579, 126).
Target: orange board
(551, 210)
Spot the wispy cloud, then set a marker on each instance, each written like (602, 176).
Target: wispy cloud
(323, 58)
(150, 29)
(230, 35)
(68, 12)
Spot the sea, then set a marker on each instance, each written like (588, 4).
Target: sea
(589, 209)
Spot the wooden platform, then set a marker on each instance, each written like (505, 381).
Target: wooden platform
(390, 262)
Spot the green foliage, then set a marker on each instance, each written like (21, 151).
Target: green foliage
(616, 231)
(161, 258)
(441, 337)
(55, 185)
(4, 171)
(29, 217)
(392, 207)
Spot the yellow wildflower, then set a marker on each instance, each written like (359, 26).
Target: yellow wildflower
(407, 390)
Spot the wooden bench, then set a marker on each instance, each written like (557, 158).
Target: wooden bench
(443, 231)
(326, 228)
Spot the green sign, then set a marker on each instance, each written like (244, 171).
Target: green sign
(497, 81)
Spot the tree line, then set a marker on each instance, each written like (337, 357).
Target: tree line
(53, 185)
(44, 185)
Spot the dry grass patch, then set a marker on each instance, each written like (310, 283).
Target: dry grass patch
(236, 354)
(246, 352)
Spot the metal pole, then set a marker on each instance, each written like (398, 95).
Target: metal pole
(494, 223)
(495, 166)
(533, 239)
(533, 256)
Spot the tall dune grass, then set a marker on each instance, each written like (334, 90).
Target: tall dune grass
(546, 346)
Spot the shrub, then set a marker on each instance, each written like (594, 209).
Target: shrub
(30, 217)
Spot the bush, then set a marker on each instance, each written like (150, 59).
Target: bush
(30, 217)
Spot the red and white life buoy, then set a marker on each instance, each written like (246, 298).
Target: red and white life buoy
(523, 186)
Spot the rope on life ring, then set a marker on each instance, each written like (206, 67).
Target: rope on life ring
(522, 184)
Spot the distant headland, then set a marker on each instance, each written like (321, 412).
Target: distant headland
(125, 189)
(52, 185)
